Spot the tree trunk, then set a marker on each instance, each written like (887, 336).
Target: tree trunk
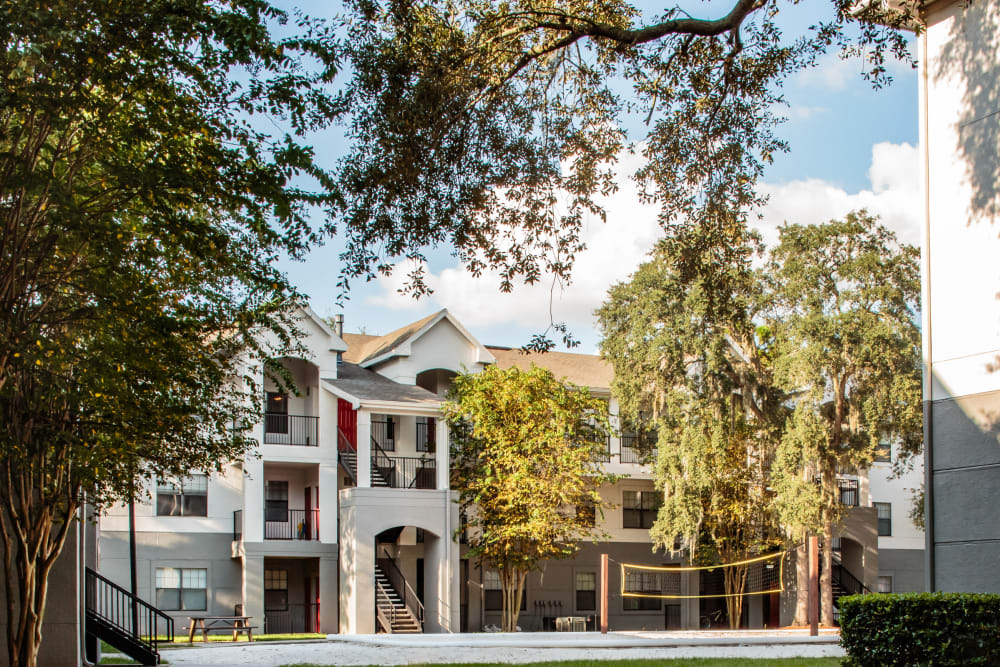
(512, 582)
(801, 585)
(826, 577)
(30, 551)
(735, 580)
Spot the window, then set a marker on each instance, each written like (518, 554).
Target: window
(425, 434)
(276, 412)
(586, 591)
(884, 511)
(884, 583)
(181, 589)
(493, 592)
(642, 582)
(883, 453)
(586, 514)
(275, 501)
(639, 509)
(187, 496)
(275, 590)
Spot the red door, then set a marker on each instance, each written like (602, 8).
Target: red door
(347, 424)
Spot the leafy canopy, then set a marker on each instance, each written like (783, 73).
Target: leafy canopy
(494, 127)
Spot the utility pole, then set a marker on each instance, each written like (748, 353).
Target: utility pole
(604, 594)
(131, 558)
(813, 586)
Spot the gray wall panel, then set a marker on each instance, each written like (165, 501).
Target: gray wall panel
(968, 567)
(967, 431)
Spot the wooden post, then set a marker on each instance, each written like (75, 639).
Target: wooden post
(813, 586)
(604, 594)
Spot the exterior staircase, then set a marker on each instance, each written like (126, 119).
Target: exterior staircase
(381, 466)
(130, 625)
(397, 608)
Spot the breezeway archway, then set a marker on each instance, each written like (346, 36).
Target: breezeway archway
(396, 515)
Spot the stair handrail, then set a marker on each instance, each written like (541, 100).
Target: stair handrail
(403, 589)
(121, 621)
(386, 617)
(381, 460)
(853, 585)
(342, 438)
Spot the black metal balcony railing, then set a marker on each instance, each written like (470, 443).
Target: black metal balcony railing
(297, 618)
(404, 472)
(292, 525)
(849, 493)
(238, 524)
(638, 448)
(426, 436)
(298, 430)
(384, 433)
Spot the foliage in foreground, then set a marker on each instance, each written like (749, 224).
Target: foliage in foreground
(921, 629)
(527, 452)
(141, 211)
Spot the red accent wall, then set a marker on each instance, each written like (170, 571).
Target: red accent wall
(347, 422)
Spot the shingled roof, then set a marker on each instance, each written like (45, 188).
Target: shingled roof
(585, 370)
(360, 384)
(362, 348)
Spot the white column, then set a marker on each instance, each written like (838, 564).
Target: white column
(442, 453)
(253, 499)
(328, 503)
(364, 449)
(327, 429)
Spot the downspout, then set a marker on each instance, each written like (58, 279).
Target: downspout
(928, 366)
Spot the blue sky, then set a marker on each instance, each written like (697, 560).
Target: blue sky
(851, 146)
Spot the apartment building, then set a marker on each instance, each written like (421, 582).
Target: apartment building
(342, 520)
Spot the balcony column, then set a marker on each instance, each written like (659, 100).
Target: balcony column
(442, 453)
(364, 449)
(253, 480)
(327, 490)
(253, 590)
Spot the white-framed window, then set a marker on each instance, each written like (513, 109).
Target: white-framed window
(642, 582)
(182, 589)
(586, 591)
(883, 453)
(884, 511)
(639, 508)
(884, 583)
(493, 592)
(187, 496)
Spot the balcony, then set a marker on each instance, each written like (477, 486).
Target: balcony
(291, 524)
(637, 449)
(403, 472)
(299, 430)
(848, 491)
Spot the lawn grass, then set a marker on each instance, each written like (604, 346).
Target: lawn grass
(122, 660)
(666, 662)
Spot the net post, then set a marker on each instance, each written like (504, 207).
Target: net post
(813, 586)
(604, 594)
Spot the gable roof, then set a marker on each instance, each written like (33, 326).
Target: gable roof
(585, 370)
(368, 351)
(337, 344)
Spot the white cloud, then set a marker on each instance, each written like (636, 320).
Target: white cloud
(835, 73)
(616, 248)
(895, 196)
(802, 112)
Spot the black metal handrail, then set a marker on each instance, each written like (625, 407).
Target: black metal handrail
(633, 454)
(237, 524)
(347, 456)
(849, 492)
(282, 429)
(402, 472)
(291, 525)
(126, 613)
(847, 581)
(403, 590)
(295, 618)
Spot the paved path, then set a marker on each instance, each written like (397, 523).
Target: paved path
(517, 648)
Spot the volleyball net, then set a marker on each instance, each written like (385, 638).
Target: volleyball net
(764, 574)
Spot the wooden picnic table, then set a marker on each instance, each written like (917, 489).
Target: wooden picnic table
(237, 624)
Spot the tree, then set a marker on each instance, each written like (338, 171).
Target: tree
(528, 453)
(495, 127)
(687, 352)
(845, 315)
(141, 209)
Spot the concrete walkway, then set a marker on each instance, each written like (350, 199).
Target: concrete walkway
(510, 648)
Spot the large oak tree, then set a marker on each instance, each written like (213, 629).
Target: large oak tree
(145, 193)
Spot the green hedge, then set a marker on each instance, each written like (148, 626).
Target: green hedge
(921, 629)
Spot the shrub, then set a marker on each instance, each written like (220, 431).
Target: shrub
(921, 629)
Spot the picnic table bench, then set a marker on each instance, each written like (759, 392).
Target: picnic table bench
(236, 624)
